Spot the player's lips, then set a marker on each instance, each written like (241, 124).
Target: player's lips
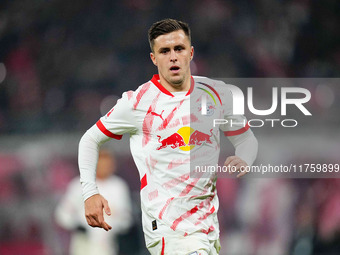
(174, 69)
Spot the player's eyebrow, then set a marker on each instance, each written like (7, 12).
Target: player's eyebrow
(181, 45)
(163, 49)
(175, 47)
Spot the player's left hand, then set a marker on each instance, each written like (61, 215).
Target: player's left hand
(236, 163)
(94, 207)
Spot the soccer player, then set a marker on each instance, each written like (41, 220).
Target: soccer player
(168, 136)
(69, 212)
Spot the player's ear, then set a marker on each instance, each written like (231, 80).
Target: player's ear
(152, 56)
(192, 53)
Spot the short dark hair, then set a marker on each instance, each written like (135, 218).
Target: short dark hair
(166, 26)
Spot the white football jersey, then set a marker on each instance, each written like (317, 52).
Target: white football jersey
(169, 137)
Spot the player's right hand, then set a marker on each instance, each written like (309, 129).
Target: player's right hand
(94, 211)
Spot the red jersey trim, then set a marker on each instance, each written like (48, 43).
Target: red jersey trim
(236, 132)
(155, 81)
(191, 86)
(143, 182)
(107, 132)
(163, 246)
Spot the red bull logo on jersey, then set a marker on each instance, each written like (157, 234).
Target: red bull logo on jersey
(186, 138)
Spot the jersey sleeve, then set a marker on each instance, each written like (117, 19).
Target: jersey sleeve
(119, 120)
(234, 124)
(236, 128)
(114, 124)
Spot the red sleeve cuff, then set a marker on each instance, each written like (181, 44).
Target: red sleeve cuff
(107, 132)
(236, 132)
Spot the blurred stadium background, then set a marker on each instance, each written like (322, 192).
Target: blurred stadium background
(64, 63)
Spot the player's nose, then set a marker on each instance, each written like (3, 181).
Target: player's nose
(173, 56)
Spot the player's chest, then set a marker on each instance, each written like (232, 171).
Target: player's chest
(165, 115)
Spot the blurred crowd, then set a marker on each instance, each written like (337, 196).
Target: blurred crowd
(261, 216)
(60, 60)
(64, 63)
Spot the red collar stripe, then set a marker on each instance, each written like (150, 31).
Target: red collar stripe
(155, 81)
(191, 86)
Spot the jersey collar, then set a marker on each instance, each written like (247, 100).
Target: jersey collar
(155, 80)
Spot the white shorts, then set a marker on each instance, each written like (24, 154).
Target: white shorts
(188, 245)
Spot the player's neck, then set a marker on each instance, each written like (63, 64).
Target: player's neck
(185, 86)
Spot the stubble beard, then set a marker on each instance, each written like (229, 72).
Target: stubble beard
(177, 82)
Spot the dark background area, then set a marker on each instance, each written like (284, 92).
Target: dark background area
(64, 63)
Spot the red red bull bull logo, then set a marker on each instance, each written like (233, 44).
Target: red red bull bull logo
(186, 138)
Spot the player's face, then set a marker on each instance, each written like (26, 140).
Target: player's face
(172, 54)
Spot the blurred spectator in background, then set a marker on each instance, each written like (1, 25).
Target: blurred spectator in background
(70, 212)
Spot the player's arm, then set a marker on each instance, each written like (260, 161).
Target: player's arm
(246, 147)
(87, 160)
(114, 124)
(238, 132)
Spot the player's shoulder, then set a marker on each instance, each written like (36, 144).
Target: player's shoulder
(144, 87)
(138, 92)
(208, 81)
(216, 85)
